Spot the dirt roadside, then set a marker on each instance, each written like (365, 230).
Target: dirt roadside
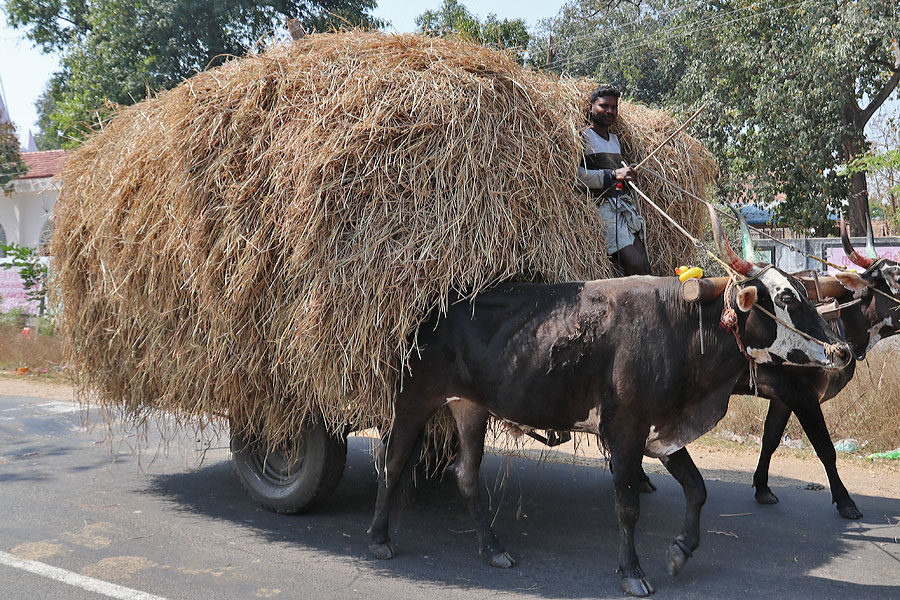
(717, 459)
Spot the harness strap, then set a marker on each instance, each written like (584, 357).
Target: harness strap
(729, 320)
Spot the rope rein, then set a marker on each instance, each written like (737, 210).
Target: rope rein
(699, 244)
(762, 233)
(729, 320)
(758, 231)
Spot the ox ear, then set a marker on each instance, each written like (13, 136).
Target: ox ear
(851, 280)
(746, 298)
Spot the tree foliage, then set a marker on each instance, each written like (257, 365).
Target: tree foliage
(119, 51)
(627, 44)
(453, 18)
(882, 167)
(11, 165)
(790, 85)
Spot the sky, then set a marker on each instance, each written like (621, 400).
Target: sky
(24, 71)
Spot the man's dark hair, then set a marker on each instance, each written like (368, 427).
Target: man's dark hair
(604, 90)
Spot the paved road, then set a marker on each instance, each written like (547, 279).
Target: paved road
(150, 527)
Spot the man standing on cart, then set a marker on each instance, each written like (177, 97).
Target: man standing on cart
(602, 173)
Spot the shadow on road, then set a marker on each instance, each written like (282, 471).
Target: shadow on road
(558, 521)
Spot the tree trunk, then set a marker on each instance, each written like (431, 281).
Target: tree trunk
(858, 204)
(858, 201)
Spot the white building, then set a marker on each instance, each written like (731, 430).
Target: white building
(26, 203)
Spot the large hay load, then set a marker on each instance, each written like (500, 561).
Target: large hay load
(262, 241)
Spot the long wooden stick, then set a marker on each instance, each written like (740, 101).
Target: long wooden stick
(669, 139)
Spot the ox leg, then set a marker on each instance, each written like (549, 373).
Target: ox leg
(471, 420)
(647, 486)
(685, 472)
(401, 441)
(813, 424)
(625, 458)
(776, 420)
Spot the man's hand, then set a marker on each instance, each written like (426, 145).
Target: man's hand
(624, 174)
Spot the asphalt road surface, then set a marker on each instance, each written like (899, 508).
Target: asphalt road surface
(83, 518)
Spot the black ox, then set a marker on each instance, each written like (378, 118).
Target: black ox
(619, 358)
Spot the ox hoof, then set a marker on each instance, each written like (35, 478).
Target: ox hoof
(676, 556)
(501, 560)
(383, 551)
(766, 497)
(637, 586)
(849, 511)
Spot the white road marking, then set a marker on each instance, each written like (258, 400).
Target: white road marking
(74, 579)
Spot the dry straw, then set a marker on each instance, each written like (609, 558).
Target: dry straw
(262, 241)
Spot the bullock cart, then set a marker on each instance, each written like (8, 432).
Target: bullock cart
(262, 242)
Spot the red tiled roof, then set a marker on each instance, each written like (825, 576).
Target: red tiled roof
(43, 164)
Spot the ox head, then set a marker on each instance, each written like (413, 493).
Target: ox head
(878, 272)
(878, 287)
(771, 341)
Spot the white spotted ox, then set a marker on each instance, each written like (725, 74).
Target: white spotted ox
(620, 358)
(870, 313)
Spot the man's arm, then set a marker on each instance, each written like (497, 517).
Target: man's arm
(596, 179)
(601, 179)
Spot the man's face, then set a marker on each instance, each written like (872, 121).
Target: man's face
(604, 110)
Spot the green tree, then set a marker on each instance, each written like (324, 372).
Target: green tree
(453, 18)
(882, 167)
(627, 44)
(790, 84)
(883, 164)
(11, 165)
(119, 51)
(793, 85)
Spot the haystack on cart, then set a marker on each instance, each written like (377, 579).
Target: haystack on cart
(262, 241)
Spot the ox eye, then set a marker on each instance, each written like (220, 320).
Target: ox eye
(786, 298)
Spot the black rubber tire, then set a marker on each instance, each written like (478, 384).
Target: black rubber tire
(295, 486)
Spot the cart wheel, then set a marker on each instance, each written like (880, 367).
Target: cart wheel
(291, 482)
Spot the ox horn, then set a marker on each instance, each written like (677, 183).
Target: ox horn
(852, 254)
(737, 263)
(747, 242)
(870, 241)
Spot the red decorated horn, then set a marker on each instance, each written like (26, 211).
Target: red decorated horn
(725, 252)
(852, 254)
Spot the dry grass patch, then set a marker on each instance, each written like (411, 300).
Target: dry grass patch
(868, 409)
(39, 353)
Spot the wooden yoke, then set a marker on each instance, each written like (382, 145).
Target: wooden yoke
(703, 290)
(829, 287)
